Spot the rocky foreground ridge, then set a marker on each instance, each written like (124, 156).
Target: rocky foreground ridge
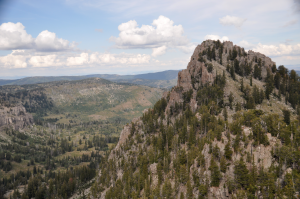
(212, 135)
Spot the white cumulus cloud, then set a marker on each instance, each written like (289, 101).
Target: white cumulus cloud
(14, 60)
(82, 59)
(159, 36)
(13, 36)
(232, 21)
(47, 41)
(44, 61)
(216, 37)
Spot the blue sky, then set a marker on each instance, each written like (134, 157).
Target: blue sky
(76, 37)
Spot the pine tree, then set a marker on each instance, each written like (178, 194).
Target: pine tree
(232, 73)
(231, 98)
(202, 191)
(215, 173)
(251, 103)
(167, 190)
(192, 136)
(225, 114)
(242, 84)
(286, 116)
(181, 195)
(241, 174)
(159, 173)
(238, 107)
(189, 190)
(223, 165)
(228, 151)
(262, 96)
(213, 53)
(236, 66)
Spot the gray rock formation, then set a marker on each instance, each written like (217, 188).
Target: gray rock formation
(15, 117)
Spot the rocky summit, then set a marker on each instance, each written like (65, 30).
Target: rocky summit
(229, 129)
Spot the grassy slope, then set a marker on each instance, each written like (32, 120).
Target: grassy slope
(96, 99)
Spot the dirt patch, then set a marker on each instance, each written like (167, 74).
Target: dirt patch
(98, 117)
(142, 100)
(124, 106)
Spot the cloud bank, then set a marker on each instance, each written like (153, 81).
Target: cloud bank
(25, 59)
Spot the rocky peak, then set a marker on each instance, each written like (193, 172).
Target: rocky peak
(201, 153)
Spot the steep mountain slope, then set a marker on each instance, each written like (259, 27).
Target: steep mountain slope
(227, 129)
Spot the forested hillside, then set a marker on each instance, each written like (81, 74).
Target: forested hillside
(164, 79)
(230, 128)
(54, 135)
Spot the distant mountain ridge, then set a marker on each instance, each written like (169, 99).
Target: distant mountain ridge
(164, 75)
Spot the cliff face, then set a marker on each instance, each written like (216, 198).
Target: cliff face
(183, 147)
(15, 117)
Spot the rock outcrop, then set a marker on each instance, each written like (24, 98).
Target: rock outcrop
(15, 117)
